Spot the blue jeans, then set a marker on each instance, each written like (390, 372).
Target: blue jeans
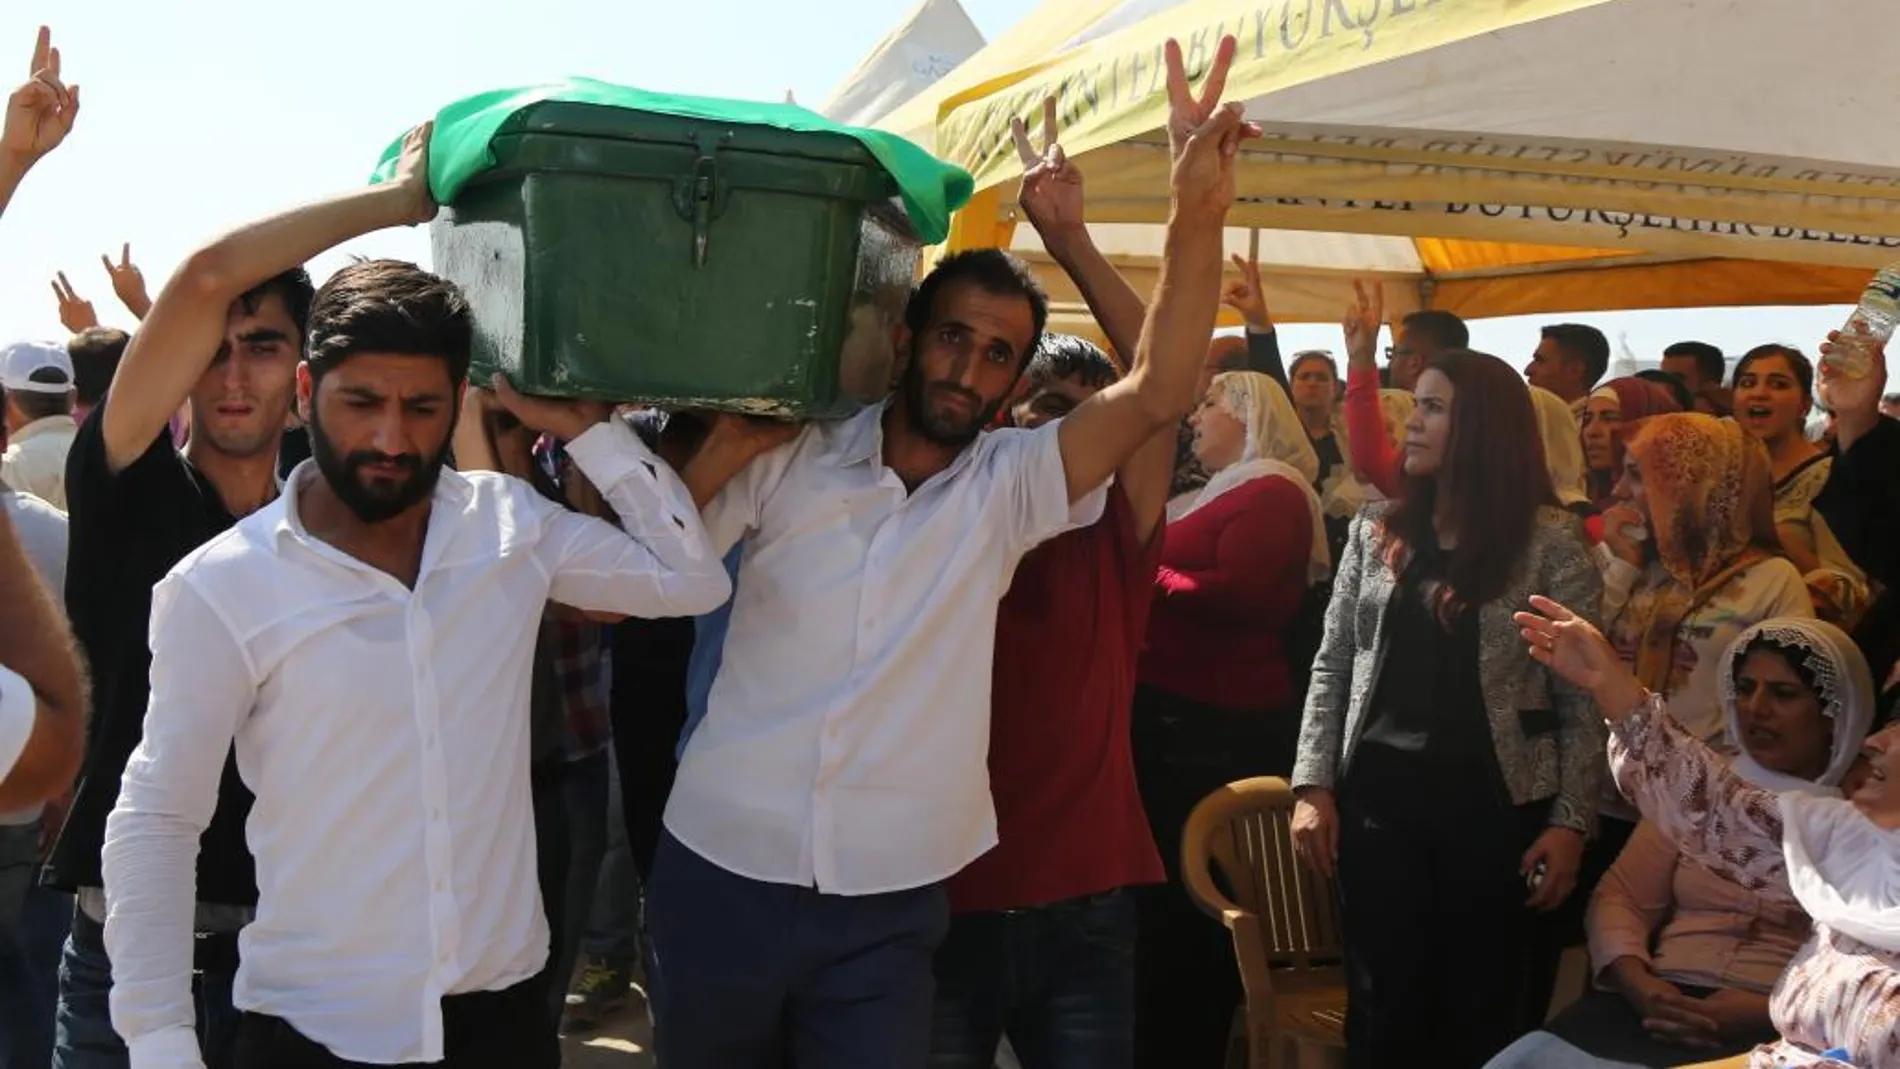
(32, 925)
(743, 973)
(613, 931)
(1058, 980)
(1541, 1050)
(83, 1035)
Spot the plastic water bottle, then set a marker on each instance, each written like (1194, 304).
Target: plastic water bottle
(1870, 326)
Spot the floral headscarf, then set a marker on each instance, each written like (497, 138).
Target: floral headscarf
(1711, 513)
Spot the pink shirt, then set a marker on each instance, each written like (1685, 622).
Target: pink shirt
(1706, 931)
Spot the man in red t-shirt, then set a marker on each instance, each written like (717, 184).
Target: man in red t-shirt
(1042, 933)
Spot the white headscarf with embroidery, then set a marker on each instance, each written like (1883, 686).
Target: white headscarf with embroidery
(1843, 868)
(1842, 683)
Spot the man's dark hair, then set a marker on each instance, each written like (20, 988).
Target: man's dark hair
(1677, 388)
(1065, 356)
(1709, 361)
(293, 286)
(34, 405)
(95, 353)
(387, 306)
(1798, 363)
(991, 270)
(1442, 330)
(1586, 343)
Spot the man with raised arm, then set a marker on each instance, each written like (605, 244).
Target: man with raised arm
(226, 334)
(1073, 841)
(40, 113)
(367, 640)
(840, 776)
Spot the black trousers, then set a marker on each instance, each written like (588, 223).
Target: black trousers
(506, 1029)
(648, 712)
(1563, 929)
(552, 854)
(1187, 983)
(1440, 946)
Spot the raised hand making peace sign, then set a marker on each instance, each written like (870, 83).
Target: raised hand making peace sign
(1361, 323)
(40, 113)
(75, 312)
(1204, 135)
(1052, 185)
(128, 282)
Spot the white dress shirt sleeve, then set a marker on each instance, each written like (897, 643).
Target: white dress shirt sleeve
(18, 706)
(659, 563)
(736, 510)
(203, 687)
(1029, 487)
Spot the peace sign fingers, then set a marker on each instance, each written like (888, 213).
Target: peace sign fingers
(1025, 148)
(45, 56)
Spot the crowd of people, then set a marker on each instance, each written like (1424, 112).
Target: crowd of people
(355, 713)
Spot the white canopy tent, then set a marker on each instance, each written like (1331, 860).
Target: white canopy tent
(931, 41)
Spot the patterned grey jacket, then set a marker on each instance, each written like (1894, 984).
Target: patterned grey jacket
(1550, 739)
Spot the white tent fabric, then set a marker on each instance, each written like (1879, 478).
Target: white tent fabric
(933, 39)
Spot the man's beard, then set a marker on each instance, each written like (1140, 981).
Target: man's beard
(929, 426)
(374, 502)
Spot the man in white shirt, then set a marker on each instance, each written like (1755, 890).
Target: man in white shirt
(36, 381)
(366, 640)
(840, 773)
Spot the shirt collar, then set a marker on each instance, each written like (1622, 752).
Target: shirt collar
(46, 425)
(451, 498)
(856, 439)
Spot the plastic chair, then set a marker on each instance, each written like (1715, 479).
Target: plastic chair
(1238, 863)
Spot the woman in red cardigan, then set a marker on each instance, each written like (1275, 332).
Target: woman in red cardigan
(1216, 699)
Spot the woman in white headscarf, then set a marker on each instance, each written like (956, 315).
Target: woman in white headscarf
(1798, 700)
(1838, 1004)
(1218, 695)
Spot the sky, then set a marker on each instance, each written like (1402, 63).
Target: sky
(200, 114)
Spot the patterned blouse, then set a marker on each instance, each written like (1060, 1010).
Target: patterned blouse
(1838, 996)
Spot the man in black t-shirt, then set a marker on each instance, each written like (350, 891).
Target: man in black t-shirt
(226, 334)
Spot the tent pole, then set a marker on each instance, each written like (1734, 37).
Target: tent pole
(1253, 245)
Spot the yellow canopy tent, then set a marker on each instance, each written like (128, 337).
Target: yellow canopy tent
(1493, 157)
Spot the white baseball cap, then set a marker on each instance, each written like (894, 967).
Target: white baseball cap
(36, 367)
